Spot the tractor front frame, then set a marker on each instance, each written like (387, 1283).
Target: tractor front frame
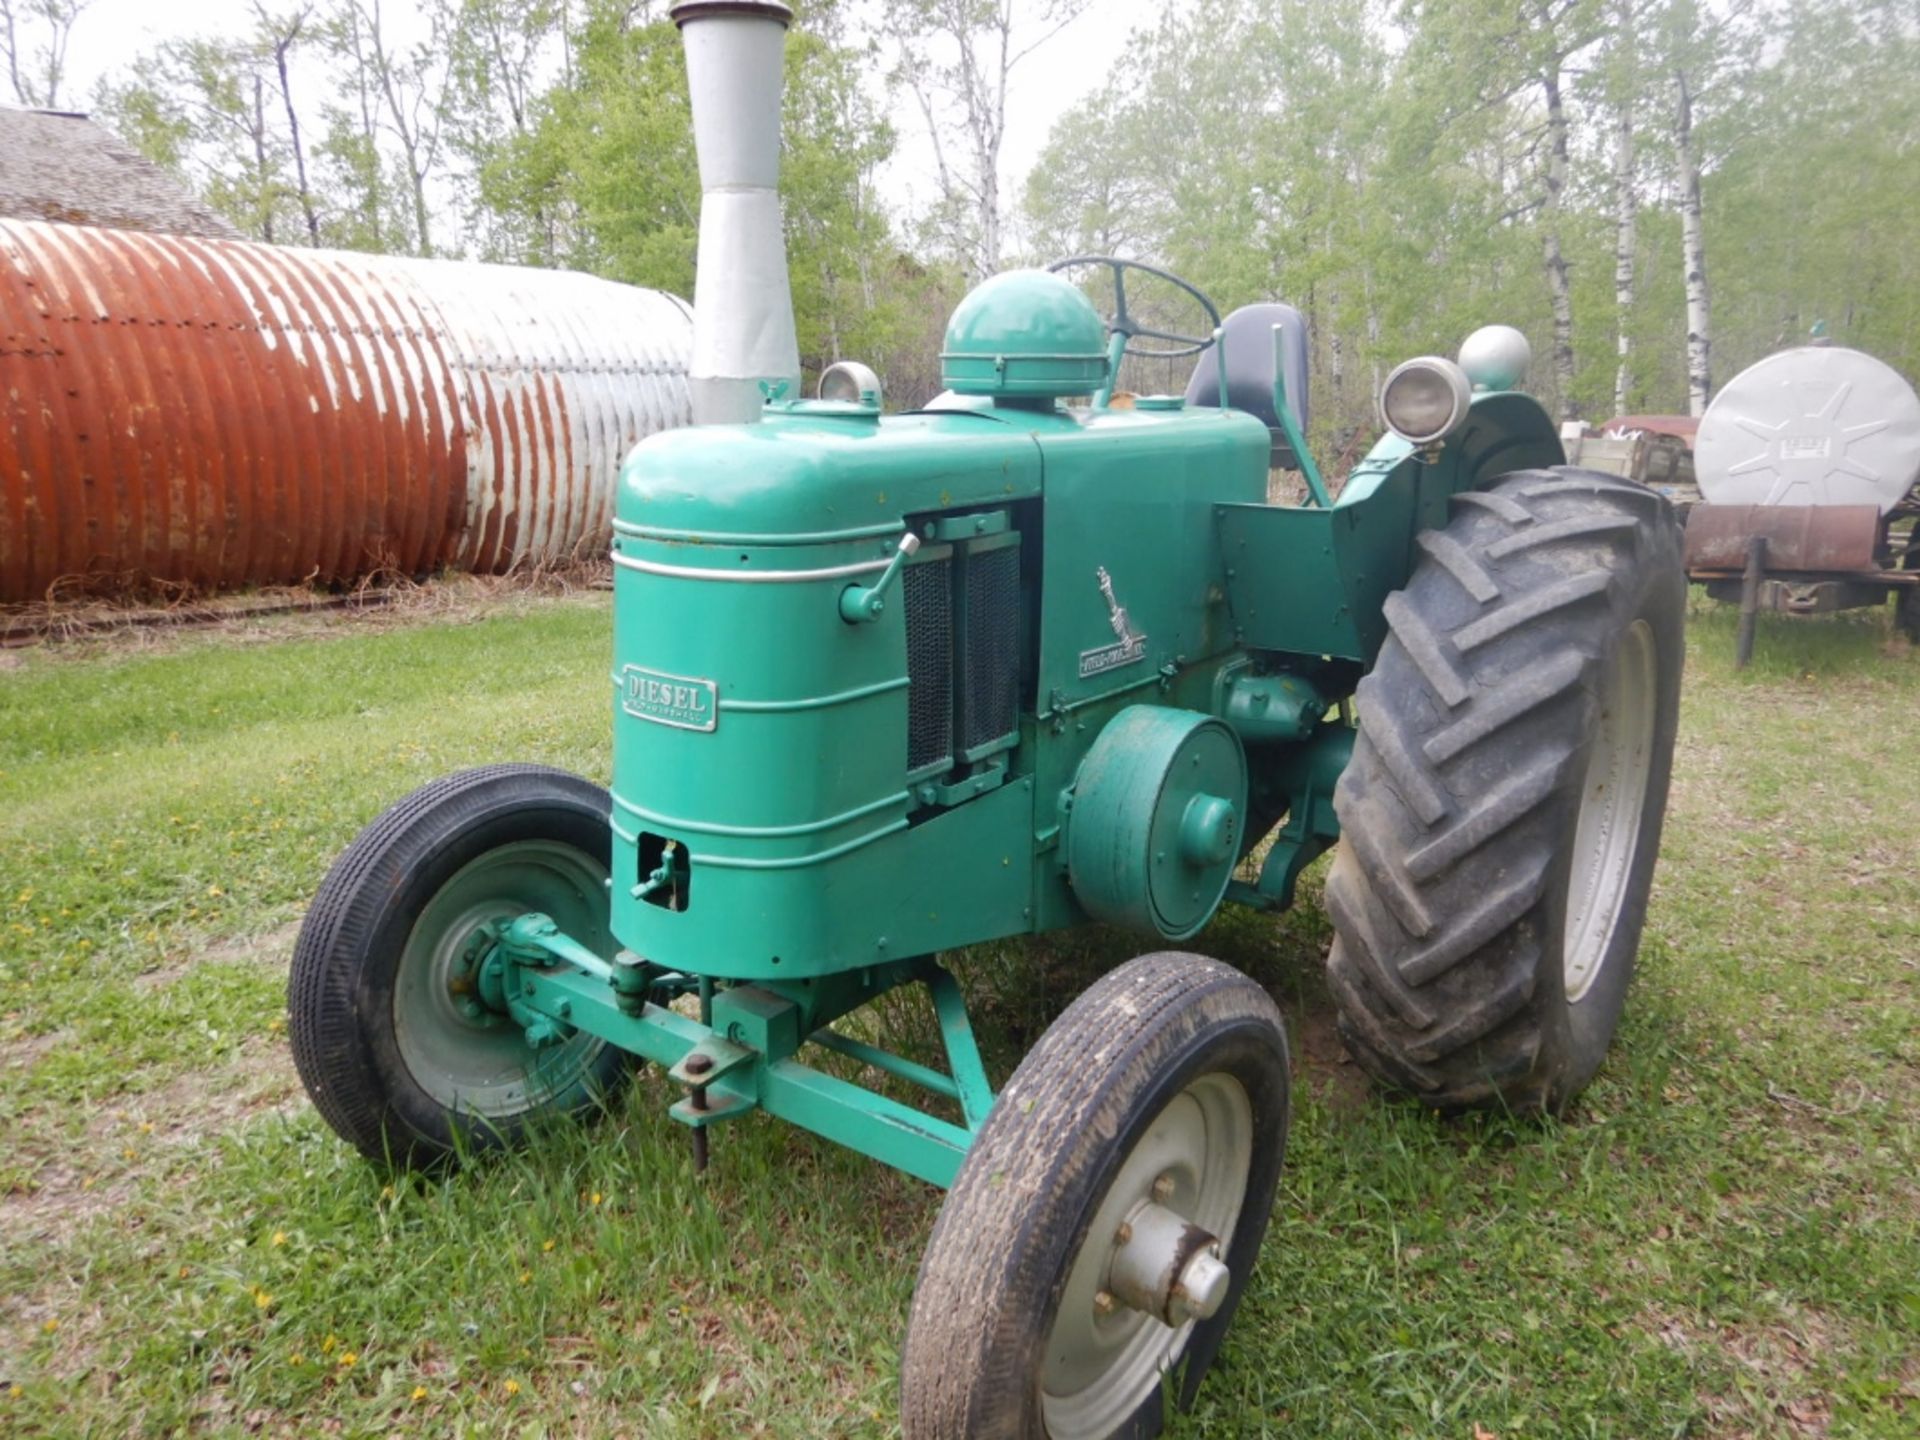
(740, 1054)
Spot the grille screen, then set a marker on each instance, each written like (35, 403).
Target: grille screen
(929, 598)
(992, 693)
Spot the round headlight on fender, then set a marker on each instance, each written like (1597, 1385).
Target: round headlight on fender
(1425, 399)
(848, 382)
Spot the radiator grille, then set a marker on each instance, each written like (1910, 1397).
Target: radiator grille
(929, 600)
(991, 695)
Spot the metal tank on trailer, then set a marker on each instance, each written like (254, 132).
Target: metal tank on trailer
(216, 414)
(1808, 463)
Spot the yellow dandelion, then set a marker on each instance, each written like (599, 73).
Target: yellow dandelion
(279, 1237)
(146, 1127)
(546, 1244)
(512, 1387)
(526, 1277)
(419, 1393)
(262, 1300)
(49, 1326)
(596, 1197)
(348, 1359)
(14, 1392)
(296, 1360)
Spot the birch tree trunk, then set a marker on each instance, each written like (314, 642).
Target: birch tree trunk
(413, 98)
(282, 37)
(1693, 251)
(1373, 341)
(23, 93)
(262, 167)
(970, 94)
(1336, 352)
(1625, 210)
(37, 73)
(1558, 290)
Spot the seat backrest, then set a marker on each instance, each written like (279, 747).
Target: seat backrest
(1249, 349)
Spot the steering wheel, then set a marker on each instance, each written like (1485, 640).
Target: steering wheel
(1123, 323)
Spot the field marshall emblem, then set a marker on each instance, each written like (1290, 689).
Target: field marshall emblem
(677, 700)
(1129, 649)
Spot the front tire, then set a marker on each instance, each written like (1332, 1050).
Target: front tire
(1162, 1090)
(390, 1037)
(1502, 814)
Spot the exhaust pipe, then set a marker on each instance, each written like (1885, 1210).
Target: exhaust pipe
(744, 347)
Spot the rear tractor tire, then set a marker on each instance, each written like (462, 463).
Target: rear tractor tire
(1502, 813)
(1102, 1227)
(391, 1031)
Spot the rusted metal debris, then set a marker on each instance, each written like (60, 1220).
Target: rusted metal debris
(1801, 560)
(1680, 427)
(1832, 539)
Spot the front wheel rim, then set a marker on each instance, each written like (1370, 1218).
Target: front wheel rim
(1613, 800)
(468, 1058)
(1100, 1367)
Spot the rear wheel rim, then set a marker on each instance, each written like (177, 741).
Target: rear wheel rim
(481, 1064)
(1101, 1368)
(1613, 800)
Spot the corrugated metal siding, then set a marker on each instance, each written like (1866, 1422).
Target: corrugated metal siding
(221, 413)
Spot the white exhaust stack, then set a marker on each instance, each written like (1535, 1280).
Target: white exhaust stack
(743, 336)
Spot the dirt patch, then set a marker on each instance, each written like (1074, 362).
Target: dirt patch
(91, 1170)
(70, 629)
(1778, 1387)
(273, 949)
(1322, 1061)
(20, 1053)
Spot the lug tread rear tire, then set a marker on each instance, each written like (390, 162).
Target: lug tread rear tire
(1457, 811)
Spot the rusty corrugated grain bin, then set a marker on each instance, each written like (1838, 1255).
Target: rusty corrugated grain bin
(221, 413)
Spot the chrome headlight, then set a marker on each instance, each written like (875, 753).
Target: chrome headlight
(1425, 399)
(850, 383)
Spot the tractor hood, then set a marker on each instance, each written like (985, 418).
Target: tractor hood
(812, 474)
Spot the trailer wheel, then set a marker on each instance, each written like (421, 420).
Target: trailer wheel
(1502, 813)
(1102, 1227)
(391, 1038)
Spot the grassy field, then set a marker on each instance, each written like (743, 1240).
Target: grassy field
(1723, 1239)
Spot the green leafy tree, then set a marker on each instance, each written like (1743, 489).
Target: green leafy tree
(606, 167)
(209, 109)
(957, 59)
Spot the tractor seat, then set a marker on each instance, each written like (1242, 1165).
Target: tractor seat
(1248, 342)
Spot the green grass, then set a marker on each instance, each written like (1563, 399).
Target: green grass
(1723, 1239)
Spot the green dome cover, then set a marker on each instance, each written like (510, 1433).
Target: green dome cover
(1025, 333)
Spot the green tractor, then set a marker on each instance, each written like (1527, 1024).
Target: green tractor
(887, 686)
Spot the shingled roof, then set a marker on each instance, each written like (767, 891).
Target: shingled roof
(64, 167)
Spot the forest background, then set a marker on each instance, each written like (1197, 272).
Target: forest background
(1658, 191)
